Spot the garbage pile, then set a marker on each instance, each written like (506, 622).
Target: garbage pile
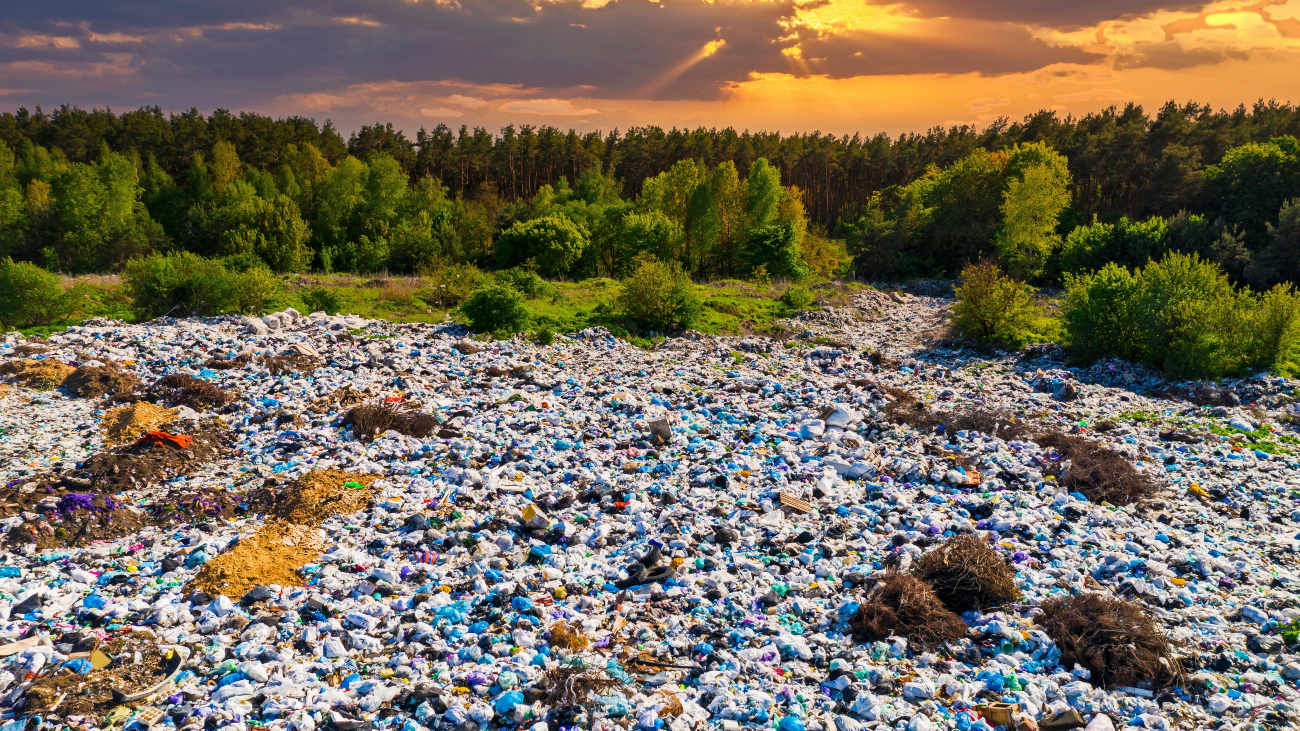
(314, 522)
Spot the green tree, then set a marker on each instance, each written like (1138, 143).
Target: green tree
(1250, 183)
(776, 249)
(1030, 212)
(652, 233)
(552, 243)
(225, 167)
(763, 194)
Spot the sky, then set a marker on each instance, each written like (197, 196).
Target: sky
(834, 66)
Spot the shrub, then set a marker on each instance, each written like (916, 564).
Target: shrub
(495, 307)
(797, 297)
(182, 284)
(544, 336)
(449, 284)
(524, 282)
(658, 295)
(1180, 314)
(252, 291)
(1117, 640)
(29, 295)
(319, 299)
(993, 307)
(966, 574)
(554, 242)
(179, 282)
(243, 261)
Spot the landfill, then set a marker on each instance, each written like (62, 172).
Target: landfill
(310, 522)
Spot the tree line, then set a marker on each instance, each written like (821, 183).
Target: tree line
(84, 190)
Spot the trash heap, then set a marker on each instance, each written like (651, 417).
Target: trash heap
(314, 522)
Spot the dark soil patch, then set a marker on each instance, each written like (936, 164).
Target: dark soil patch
(966, 574)
(369, 420)
(314, 497)
(182, 390)
(1100, 473)
(30, 350)
(905, 606)
(79, 507)
(286, 363)
(90, 695)
(226, 364)
(106, 380)
(1117, 640)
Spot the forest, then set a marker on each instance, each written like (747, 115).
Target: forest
(87, 191)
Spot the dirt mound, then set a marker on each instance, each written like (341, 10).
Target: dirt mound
(90, 695)
(273, 555)
(182, 390)
(1100, 473)
(291, 362)
(966, 574)
(126, 423)
(1115, 639)
(370, 420)
(225, 364)
(314, 497)
(41, 375)
(139, 464)
(905, 606)
(95, 381)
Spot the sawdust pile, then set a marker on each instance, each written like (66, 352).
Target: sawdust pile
(42, 375)
(289, 540)
(125, 424)
(315, 497)
(271, 556)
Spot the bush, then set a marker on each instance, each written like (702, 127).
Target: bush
(1180, 314)
(797, 297)
(186, 284)
(1115, 639)
(544, 336)
(966, 574)
(495, 307)
(658, 295)
(449, 284)
(993, 307)
(524, 282)
(554, 243)
(319, 299)
(243, 261)
(29, 295)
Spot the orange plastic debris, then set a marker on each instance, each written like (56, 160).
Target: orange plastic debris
(180, 441)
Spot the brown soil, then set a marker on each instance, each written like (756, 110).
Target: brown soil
(181, 390)
(125, 424)
(41, 375)
(287, 363)
(905, 606)
(95, 381)
(30, 349)
(1116, 639)
(271, 556)
(966, 574)
(906, 409)
(314, 497)
(89, 695)
(225, 364)
(136, 466)
(370, 420)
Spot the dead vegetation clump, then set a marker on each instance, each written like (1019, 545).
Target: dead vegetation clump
(65, 692)
(905, 606)
(577, 685)
(182, 390)
(222, 363)
(904, 408)
(106, 380)
(568, 637)
(287, 363)
(966, 574)
(29, 349)
(345, 397)
(370, 420)
(42, 375)
(1117, 640)
(1097, 471)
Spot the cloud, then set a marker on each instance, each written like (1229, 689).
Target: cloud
(1172, 56)
(1095, 95)
(1047, 13)
(979, 106)
(467, 101)
(550, 107)
(441, 112)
